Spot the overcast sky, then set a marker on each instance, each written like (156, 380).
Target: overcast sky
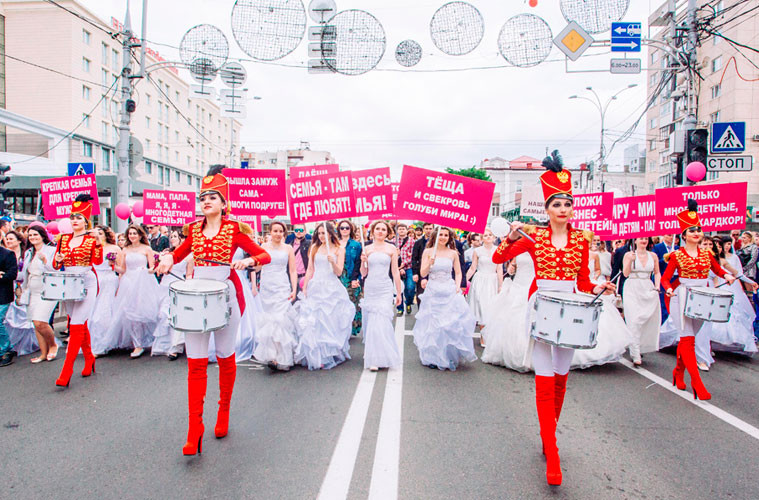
(391, 116)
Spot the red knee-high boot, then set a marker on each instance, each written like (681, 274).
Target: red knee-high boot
(76, 334)
(688, 355)
(89, 358)
(227, 373)
(545, 402)
(678, 374)
(197, 379)
(560, 388)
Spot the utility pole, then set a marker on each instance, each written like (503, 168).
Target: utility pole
(123, 188)
(690, 121)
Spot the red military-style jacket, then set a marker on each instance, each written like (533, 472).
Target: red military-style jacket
(89, 253)
(559, 264)
(689, 268)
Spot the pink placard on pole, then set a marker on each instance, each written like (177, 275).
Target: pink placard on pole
(373, 192)
(721, 207)
(445, 199)
(594, 212)
(634, 217)
(391, 215)
(313, 170)
(168, 208)
(58, 194)
(256, 192)
(320, 198)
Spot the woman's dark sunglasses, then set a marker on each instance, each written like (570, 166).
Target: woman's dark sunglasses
(344, 228)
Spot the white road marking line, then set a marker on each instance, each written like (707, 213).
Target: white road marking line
(387, 455)
(338, 478)
(688, 396)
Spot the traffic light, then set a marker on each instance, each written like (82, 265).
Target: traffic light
(4, 179)
(696, 149)
(130, 106)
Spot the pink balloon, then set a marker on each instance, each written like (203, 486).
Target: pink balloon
(138, 209)
(64, 226)
(122, 211)
(52, 227)
(533, 3)
(695, 171)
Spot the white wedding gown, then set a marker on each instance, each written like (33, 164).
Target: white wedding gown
(167, 340)
(378, 310)
(102, 314)
(642, 307)
(484, 286)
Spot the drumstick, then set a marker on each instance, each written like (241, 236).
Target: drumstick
(176, 276)
(602, 291)
(522, 233)
(215, 262)
(742, 277)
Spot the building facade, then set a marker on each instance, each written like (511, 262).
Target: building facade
(286, 158)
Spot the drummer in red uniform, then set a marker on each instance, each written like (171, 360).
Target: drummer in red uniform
(692, 265)
(78, 253)
(560, 254)
(215, 238)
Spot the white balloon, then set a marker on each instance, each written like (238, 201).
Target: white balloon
(500, 227)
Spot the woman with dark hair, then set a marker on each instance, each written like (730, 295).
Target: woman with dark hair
(560, 253)
(325, 312)
(17, 324)
(348, 236)
(79, 252)
(214, 238)
(641, 298)
(444, 323)
(102, 316)
(135, 310)
(692, 264)
(37, 260)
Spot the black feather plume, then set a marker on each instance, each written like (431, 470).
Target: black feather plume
(83, 197)
(553, 162)
(692, 205)
(215, 169)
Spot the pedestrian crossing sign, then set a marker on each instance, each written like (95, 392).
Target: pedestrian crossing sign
(728, 137)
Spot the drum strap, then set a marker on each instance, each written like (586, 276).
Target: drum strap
(238, 290)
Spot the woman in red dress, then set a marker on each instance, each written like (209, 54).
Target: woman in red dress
(560, 254)
(79, 252)
(692, 265)
(215, 238)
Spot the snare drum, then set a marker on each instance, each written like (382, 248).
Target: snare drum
(708, 304)
(199, 305)
(63, 285)
(566, 319)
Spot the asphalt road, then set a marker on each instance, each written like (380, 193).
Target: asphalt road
(417, 433)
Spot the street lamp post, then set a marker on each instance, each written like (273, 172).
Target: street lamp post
(602, 108)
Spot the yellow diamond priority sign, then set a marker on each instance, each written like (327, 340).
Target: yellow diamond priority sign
(573, 41)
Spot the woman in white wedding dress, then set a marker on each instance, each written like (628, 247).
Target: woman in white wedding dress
(102, 315)
(444, 323)
(486, 278)
(378, 261)
(641, 298)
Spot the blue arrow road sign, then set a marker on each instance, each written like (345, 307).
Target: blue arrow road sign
(81, 168)
(625, 37)
(728, 137)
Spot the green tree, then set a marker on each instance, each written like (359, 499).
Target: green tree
(473, 172)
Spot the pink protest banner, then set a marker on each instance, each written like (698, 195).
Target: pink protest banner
(313, 170)
(168, 208)
(320, 198)
(58, 194)
(721, 207)
(445, 199)
(396, 186)
(373, 192)
(634, 217)
(256, 192)
(594, 212)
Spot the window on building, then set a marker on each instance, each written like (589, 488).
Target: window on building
(85, 92)
(160, 175)
(197, 182)
(189, 180)
(147, 122)
(652, 125)
(106, 165)
(105, 78)
(189, 161)
(87, 149)
(86, 37)
(148, 167)
(85, 65)
(115, 135)
(716, 64)
(147, 99)
(652, 144)
(147, 145)
(519, 187)
(104, 51)
(178, 175)
(654, 56)
(86, 120)
(176, 137)
(716, 91)
(104, 131)
(167, 176)
(714, 117)
(115, 66)
(719, 7)
(495, 209)
(104, 108)
(712, 176)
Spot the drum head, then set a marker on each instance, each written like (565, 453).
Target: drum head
(704, 290)
(198, 285)
(566, 297)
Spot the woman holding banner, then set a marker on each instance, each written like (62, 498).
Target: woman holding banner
(351, 268)
(325, 311)
(79, 252)
(444, 323)
(560, 253)
(214, 238)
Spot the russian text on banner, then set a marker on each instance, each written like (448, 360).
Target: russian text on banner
(634, 217)
(594, 212)
(256, 192)
(313, 170)
(320, 198)
(721, 207)
(58, 194)
(446, 199)
(373, 192)
(532, 205)
(168, 208)
(395, 186)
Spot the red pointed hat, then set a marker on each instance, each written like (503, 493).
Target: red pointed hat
(215, 183)
(689, 218)
(82, 206)
(555, 181)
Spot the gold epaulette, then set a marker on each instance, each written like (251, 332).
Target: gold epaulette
(186, 228)
(530, 229)
(588, 235)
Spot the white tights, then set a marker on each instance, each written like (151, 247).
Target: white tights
(548, 359)
(196, 344)
(81, 310)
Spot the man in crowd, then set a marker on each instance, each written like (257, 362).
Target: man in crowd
(301, 246)
(405, 245)
(5, 226)
(158, 242)
(8, 272)
(666, 246)
(735, 235)
(418, 232)
(416, 258)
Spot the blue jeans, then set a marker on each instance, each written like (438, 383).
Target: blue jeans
(5, 341)
(409, 289)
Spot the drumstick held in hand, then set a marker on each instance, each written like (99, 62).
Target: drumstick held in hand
(602, 291)
(216, 262)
